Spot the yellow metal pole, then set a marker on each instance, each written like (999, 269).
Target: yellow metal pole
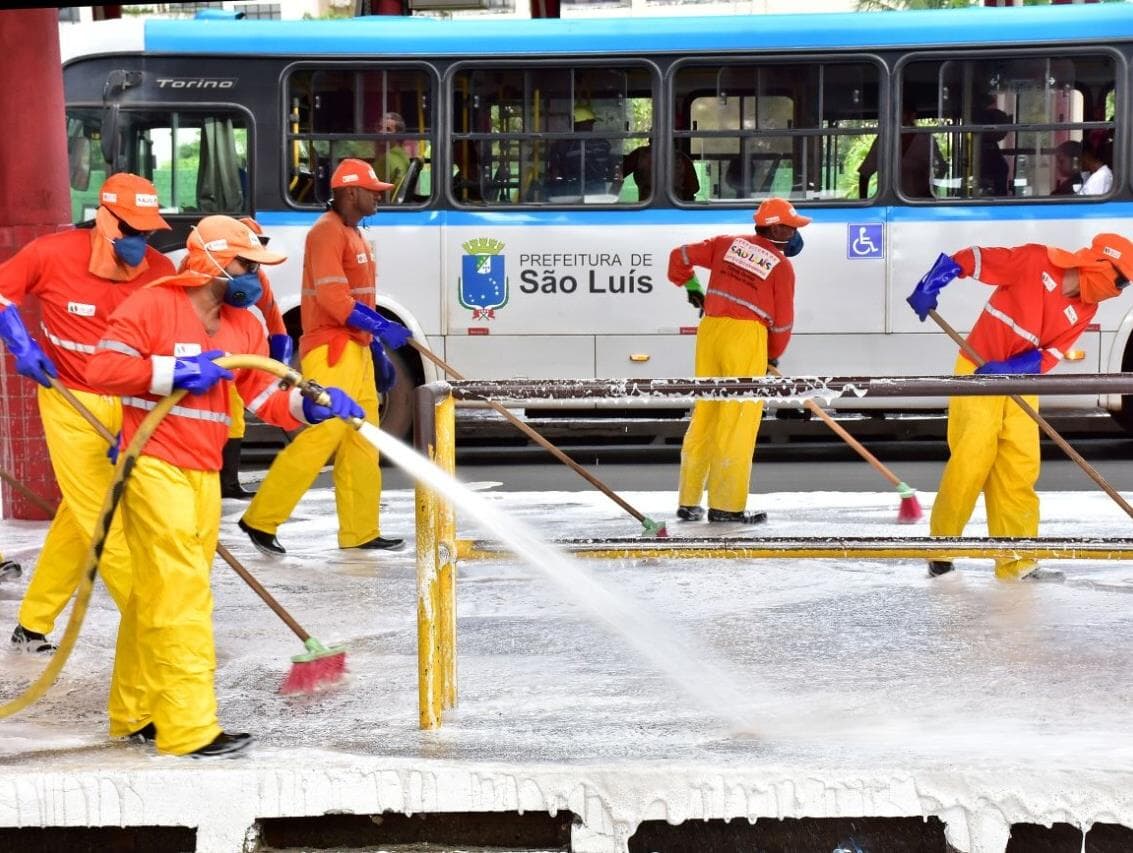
(446, 555)
(426, 501)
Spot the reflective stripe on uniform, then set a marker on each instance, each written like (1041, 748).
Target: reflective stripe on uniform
(118, 346)
(331, 279)
(262, 398)
(354, 290)
(180, 411)
(750, 306)
(1030, 338)
(1057, 353)
(977, 263)
(684, 256)
(63, 343)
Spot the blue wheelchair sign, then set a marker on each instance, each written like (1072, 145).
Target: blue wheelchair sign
(865, 241)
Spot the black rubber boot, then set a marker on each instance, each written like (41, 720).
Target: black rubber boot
(936, 568)
(690, 513)
(739, 517)
(224, 746)
(229, 480)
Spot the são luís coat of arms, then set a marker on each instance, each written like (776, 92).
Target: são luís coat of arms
(483, 285)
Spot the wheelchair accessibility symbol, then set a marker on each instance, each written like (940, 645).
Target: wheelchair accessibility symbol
(865, 241)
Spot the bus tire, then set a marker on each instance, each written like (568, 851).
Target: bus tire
(395, 412)
(1124, 415)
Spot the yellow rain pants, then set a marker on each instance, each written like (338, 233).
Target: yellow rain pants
(357, 477)
(84, 474)
(238, 426)
(720, 442)
(172, 519)
(994, 449)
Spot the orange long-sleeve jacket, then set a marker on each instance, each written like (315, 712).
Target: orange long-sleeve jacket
(749, 279)
(1028, 309)
(135, 360)
(339, 269)
(75, 303)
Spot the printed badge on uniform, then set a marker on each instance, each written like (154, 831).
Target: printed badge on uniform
(1048, 282)
(751, 258)
(80, 309)
(183, 350)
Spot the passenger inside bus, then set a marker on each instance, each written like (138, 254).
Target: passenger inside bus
(921, 161)
(993, 165)
(1096, 159)
(639, 164)
(581, 165)
(1068, 175)
(393, 166)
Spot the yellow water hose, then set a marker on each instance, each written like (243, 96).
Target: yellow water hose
(126, 461)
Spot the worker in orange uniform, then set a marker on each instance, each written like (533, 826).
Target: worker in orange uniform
(748, 313)
(280, 348)
(1043, 299)
(343, 344)
(79, 276)
(164, 338)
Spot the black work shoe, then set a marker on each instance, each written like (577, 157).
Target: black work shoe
(265, 542)
(936, 568)
(737, 517)
(380, 543)
(690, 513)
(224, 745)
(146, 734)
(230, 472)
(24, 640)
(10, 569)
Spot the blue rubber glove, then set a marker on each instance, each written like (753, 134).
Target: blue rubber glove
(199, 373)
(31, 361)
(281, 348)
(112, 450)
(391, 334)
(385, 374)
(1028, 361)
(341, 406)
(923, 297)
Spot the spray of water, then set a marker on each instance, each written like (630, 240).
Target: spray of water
(675, 657)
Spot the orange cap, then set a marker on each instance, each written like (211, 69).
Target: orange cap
(224, 238)
(1117, 250)
(357, 173)
(132, 199)
(255, 226)
(779, 211)
(1105, 247)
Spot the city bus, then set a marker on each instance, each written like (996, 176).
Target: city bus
(544, 169)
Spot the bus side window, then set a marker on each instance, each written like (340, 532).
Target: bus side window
(786, 129)
(1003, 122)
(384, 117)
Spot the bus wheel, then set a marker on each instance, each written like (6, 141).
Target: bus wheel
(1124, 415)
(395, 413)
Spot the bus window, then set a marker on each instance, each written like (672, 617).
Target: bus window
(382, 116)
(1002, 124)
(786, 129)
(541, 135)
(197, 160)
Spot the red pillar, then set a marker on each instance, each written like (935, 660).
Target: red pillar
(34, 199)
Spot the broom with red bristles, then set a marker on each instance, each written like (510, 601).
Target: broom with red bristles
(910, 509)
(320, 666)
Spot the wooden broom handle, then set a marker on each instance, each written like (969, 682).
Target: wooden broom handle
(532, 434)
(845, 436)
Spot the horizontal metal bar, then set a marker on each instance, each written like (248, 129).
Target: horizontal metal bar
(818, 388)
(923, 547)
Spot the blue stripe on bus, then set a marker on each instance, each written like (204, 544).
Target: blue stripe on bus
(732, 217)
(392, 37)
